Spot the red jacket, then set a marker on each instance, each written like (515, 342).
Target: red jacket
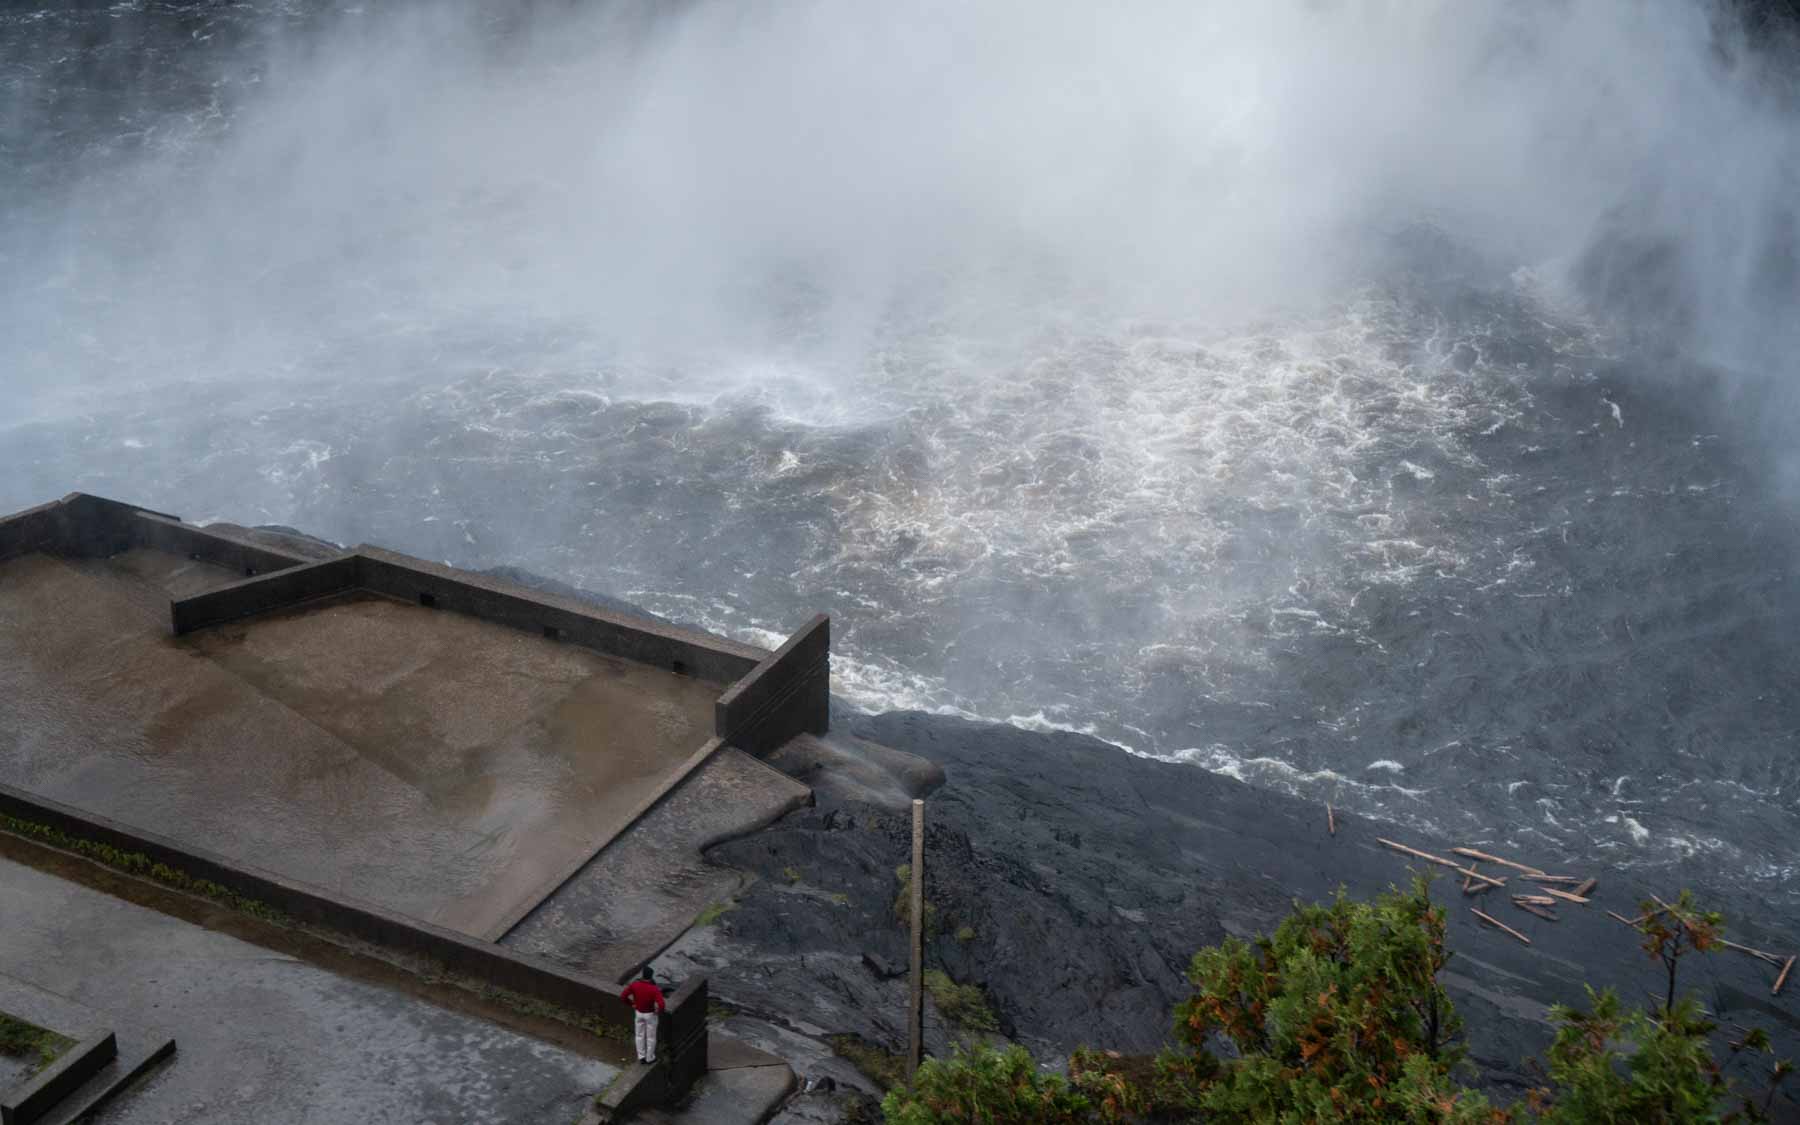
(644, 996)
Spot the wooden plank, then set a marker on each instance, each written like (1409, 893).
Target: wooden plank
(1442, 862)
(1586, 890)
(1769, 957)
(1535, 900)
(1782, 979)
(1565, 895)
(1565, 880)
(1330, 819)
(1404, 850)
(1532, 908)
(1473, 854)
(1493, 921)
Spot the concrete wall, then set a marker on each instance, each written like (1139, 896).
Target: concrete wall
(788, 693)
(165, 533)
(84, 526)
(495, 965)
(491, 599)
(681, 1051)
(33, 531)
(263, 593)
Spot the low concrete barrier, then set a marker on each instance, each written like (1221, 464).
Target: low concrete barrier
(58, 1080)
(165, 533)
(84, 526)
(263, 593)
(39, 529)
(521, 973)
(492, 599)
(788, 693)
(681, 1043)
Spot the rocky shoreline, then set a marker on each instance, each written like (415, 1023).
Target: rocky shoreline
(1071, 883)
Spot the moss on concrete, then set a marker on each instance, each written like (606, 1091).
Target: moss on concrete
(21, 1040)
(141, 865)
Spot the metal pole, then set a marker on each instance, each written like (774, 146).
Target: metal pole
(915, 1006)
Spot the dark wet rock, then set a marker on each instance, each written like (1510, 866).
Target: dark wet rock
(1073, 883)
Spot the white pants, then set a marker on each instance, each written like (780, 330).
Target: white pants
(646, 1036)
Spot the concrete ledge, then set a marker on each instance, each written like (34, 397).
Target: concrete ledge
(57, 1081)
(550, 886)
(263, 593)
(788, 693)
(520, 973)
(221, 548)
(685, 651)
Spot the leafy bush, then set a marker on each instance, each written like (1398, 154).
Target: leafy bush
(985, 1085)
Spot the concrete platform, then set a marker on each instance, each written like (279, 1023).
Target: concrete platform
(647, 887)
(438, 764)
(271, 1039)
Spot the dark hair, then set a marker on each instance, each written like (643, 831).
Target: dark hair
(648, 975)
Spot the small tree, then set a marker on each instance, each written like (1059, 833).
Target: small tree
(1338, 1017)
(1671, 932)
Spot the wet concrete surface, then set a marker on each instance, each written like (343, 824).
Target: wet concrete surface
(264, 1037)
(648, 886)
(425, 761)
(15, 1069)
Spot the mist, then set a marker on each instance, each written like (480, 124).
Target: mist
(680, 190)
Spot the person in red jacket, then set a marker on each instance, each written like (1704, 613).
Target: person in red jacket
(647, 1001)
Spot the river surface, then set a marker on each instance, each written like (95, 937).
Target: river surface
(1425, 540)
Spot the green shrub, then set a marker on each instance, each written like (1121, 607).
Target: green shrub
(962, 1004)
(989, 1086)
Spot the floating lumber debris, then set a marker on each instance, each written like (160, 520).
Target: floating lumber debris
(1534, 908)
(1493, 921)
(1473, 854)
(1782, 979)
(1639, 920)
(1771, 958)
(1441, 862)
(1330, 819)
(1564, 880)
(1586, 890)
(1565, 895)
(1535, 900)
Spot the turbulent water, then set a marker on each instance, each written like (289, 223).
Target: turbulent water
(1452, 520)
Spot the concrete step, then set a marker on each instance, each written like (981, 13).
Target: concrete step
(30, 1100)
(744, 1095)
(108, 1057)
(133, 1061)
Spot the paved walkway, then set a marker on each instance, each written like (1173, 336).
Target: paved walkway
(267, 1039)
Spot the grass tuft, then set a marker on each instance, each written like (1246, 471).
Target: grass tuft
(21, 1040)
(962, 1004)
